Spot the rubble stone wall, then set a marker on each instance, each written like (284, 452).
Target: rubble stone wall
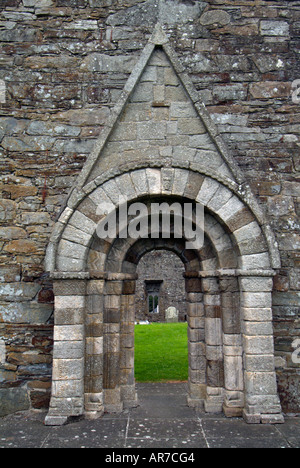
(63, 65)
(168, 268)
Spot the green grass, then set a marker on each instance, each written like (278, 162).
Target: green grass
(161, 352)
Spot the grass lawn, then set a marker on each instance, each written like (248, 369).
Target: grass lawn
(161, 352)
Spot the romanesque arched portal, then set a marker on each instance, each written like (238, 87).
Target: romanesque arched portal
(161, 147)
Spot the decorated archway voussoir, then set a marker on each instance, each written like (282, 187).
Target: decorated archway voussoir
(78, 226)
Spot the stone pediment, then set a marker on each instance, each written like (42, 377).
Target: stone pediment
(160, 119)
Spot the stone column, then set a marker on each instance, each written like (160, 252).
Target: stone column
(262, 403)
(67, 398)
(232, 347)
(196, 344)
(112, 355)
(214, 346)
(93, 387)
(127, 381)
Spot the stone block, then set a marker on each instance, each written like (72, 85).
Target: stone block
(213, 331)
(71, 250)
(258, 344)
(67, 389)
(68, 333)
(68, 349)
(230, 92)
(25, 312)
(154, 180)
(18, 291)
(126, 186)
(207, 191)
(230, 209)
(258, 383)
(192, 297)
(196, 334)
(270, 90)
(69, 316)
(214, 353)
(262, 300)
(77, 236)
(143, 93)
(10, 233)
(197, 390)
(268, 404)
(112, 302)
(69, 287)
(274, 28)
(22, 247)
(257, 314)
(215, 17)
(232, 350)
(255, 261)
(195, 309)
(112, 315)
(215, 374)
(248, 232)
(73, 406)
(233, 371)
(253, 284)
(13, 400)
(151, 130)
(220, 198)
(259, 363)
(196, 322)
(182, 110)
(69, 302)
(83, 223)
(180, 181)
(257, 328)
(102, 63)
(140, 182)
(95, 287)
(232, 339)
(68, 369)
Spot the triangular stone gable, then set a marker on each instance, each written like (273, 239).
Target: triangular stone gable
(160, 122)
(160, 119)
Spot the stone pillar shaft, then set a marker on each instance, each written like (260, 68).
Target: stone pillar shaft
(67, 398)
(262, 402)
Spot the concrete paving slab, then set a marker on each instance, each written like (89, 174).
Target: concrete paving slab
(162, 421)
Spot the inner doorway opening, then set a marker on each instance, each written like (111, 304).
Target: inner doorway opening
(160, 287)
(161, 343)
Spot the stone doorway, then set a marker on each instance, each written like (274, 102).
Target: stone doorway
(161, 145)
(94, 333)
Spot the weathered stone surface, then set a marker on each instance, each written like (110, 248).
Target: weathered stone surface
(274, 28)
(13, 400)
(103, 63)
(214, 17)
(21, 247)
(270, 89)
(63, 67)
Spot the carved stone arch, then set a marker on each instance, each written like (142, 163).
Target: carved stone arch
(228, 290)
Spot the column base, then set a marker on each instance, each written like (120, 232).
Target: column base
(263, 418)
(92, 415)
(54, 420)
(197, 403)
(213, 407)
(232, 412)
